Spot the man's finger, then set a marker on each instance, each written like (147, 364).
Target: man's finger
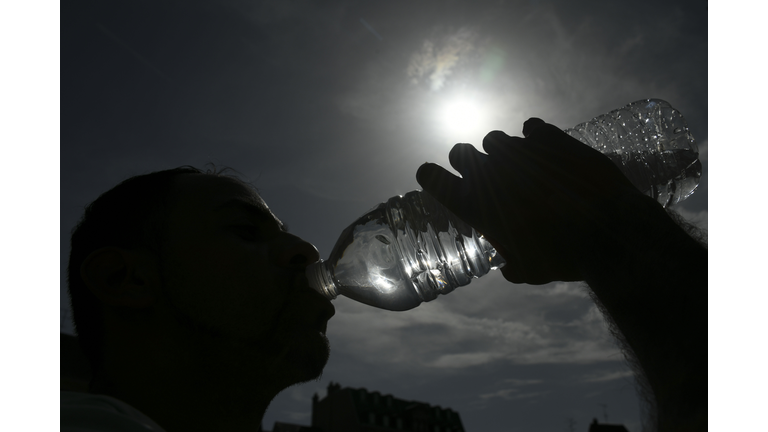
(440, 183)
(467, 160)
(531, 124)
(500, 145)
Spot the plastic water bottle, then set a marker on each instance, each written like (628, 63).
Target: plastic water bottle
(410, 249)
(403, 252)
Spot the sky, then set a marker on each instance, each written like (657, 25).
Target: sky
(329, 108)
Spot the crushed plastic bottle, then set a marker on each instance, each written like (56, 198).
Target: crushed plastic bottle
(650, 143)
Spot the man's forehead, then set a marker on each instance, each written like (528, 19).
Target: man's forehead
(209, 192)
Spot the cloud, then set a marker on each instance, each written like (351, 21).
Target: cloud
(437, 58)
(521, 382)
(699, 219)
(631, 43)
(465, 359)
(607, 376)
(439, 337)
(560, 289)
(512, 394)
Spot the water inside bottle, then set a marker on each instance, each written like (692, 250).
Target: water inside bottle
(407, 251)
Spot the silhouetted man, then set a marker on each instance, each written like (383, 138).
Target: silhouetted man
(190, 301)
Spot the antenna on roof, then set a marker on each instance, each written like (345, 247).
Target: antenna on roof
(571, 424)
(605, 412)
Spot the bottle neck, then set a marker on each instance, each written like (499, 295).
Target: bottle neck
(319, 279)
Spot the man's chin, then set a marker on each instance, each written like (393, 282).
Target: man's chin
(304, 357)
(310, 361)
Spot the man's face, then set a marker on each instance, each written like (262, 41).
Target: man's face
(234, 278)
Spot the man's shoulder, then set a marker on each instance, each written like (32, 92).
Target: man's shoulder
(85, 412)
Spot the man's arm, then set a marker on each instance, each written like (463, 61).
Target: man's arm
(558, 210)
(649, 277)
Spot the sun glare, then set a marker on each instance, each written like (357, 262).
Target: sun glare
(462, 118)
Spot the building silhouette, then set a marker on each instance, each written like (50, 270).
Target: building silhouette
(347, 409)
(605, 427)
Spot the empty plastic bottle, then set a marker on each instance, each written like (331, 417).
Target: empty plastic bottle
(410, 249)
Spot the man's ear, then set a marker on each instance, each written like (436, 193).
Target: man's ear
(121, 277)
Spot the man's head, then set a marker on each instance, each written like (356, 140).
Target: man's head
(198, 259)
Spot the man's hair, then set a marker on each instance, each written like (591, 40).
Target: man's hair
(130, 215)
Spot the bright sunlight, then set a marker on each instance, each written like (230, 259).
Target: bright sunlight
(463, 118)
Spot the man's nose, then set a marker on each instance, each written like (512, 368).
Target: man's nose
(295, 252)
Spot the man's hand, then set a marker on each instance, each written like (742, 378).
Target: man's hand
(536, 199)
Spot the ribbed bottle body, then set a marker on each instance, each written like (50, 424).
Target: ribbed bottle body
(404, 251)
(651, 144)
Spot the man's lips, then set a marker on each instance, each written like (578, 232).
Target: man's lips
(319, 307)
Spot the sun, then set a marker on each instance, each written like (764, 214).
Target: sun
(463, 118)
